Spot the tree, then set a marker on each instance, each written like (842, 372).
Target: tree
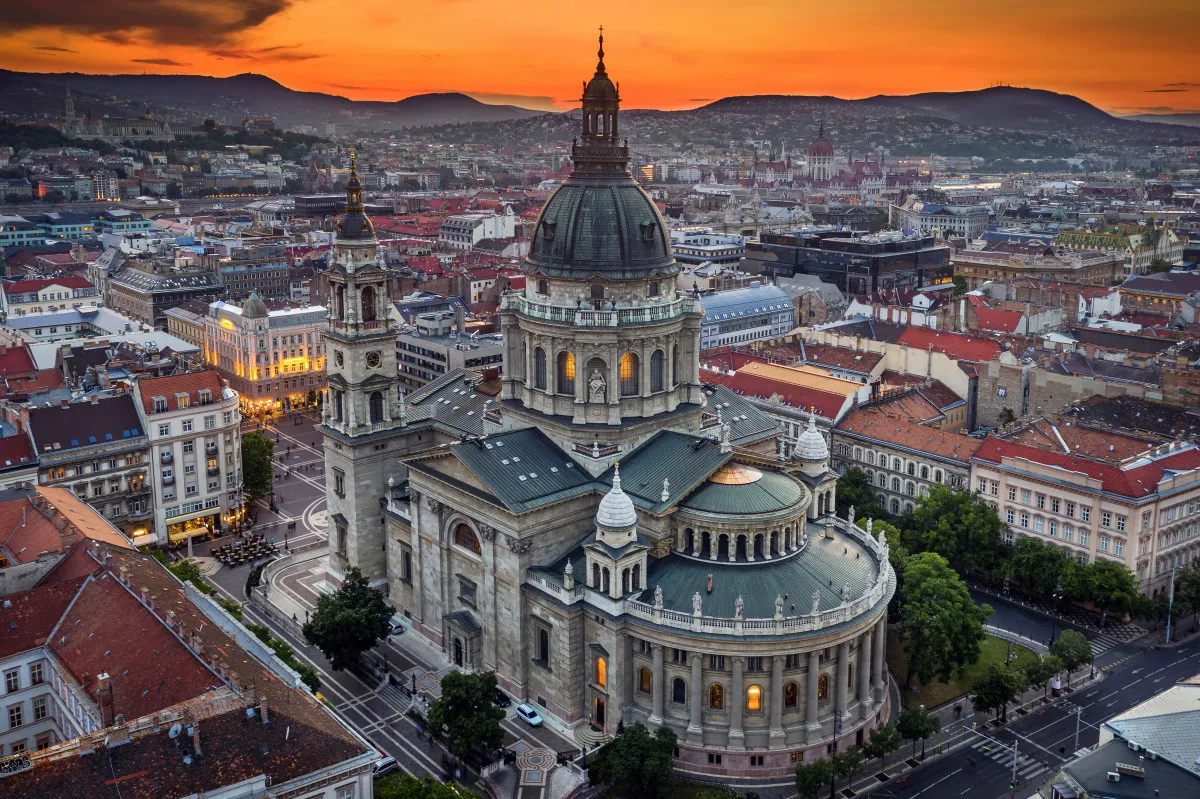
(210, 126)
(1073, 650)
(846, 764)
(941, 625)
(257, 450)
(1111, 586)
(312, 398)
(993, 690)
(1006, 418)
(897, 557)
(884, 740)
(855, 488)
(467, 713)
(637, 763)
(1035, 567)
(349, 621)
(406, 786)
(718, 792)
(958, 526)
(916, 724)
(1158, 265)
(811, 778)
(1038, 673)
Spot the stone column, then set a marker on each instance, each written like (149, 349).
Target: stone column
(695, 730)
(737, 702)
(877, 659)
(656, 686)
(843, 680)
(776, 689)
(865, 704)
(812, 725)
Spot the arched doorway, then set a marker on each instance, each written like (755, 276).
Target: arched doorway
(458, 652)
(368, 304)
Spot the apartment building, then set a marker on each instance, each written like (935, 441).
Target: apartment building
(193, 421)
(46, 295)
(1142, 512)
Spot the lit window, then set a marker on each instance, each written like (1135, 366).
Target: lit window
(601, 673)
(754, 698)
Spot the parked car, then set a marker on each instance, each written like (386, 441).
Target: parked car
(396, 626)
(502, 698)
(528, 715)
(385, 765)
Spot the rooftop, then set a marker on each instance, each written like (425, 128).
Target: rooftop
(83, 424)
(878, 423)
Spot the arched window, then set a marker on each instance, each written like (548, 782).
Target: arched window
(910, 488)
(637, 577)
(337, 406)
(656, 370)
(883, 460)
(543, 646)
(368, 304)
(790, 693)
(628, 373)
(937, 476)
(539, 368)
(465, 537)
(376, 403)
(339, 302)
(896, 465)
(754, 698)
(912, 469)
(924, 472)
(858, 453)
(674, 364)
(678, 690)
(870, 457)
(565, 373)
(896, 484)
(596, 576)
(716, 696)
(644, 680)
(895, 507)
(601, 673)
(823, 687)
(882, 502)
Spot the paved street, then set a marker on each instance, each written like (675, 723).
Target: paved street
(362, 697)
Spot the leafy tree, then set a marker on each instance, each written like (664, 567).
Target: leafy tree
(1072, 650)
(811, 778)
(1158, 265)
(855, 488)
(1038, 673)
(349, 621)
(283, 650)
(846, 764)
(210, 126)
(884, 740)
(1034, 567)
(718, 792)
(256, 465)
(637, 763)
(1007, 417)
(467, 713)
(1112, 587)
(958, 526)
(406, 786)
(188, 571)
(898, 558)
(941, 625)
(916, 724)
(993, 690)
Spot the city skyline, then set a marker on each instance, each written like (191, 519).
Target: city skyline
(670, 60)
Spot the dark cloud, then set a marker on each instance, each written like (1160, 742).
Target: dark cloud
(162, 62)
(1184, 85)
(279, 52)
(162, 21)
(46, 48)
(1164, 91)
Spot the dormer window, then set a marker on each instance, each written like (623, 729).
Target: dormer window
(204, 396)
(548, 230)
(182, 400)
(543, 287)
(160, 404)
(648, 229)
(654, 289)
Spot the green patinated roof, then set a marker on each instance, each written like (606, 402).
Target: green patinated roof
(774, 492)
(747, 423)
(685, 460)
(821, 566)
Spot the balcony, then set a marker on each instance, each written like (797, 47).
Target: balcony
(213, 471)
(664, 310)
(210, 449)
(168, 480)
(166, 457)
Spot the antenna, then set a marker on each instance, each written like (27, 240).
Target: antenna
(176, 728)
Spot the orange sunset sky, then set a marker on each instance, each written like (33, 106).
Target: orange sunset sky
(1124, 57)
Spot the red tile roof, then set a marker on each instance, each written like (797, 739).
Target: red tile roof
(191, 384)
(28, 617)
(955, 345)
(878, 423)
(30, 286)
(16, 360)
(998, 320)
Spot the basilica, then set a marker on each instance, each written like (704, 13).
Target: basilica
(615, 540)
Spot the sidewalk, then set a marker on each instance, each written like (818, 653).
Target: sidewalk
(1123, 631)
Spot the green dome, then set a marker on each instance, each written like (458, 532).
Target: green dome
(762, 493)
(605, 227)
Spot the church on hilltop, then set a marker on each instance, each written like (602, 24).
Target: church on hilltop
(615, 540)
(113, 130)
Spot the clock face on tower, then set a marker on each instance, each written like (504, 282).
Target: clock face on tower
(373, 360)
(337, 357)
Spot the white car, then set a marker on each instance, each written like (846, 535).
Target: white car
(395, 626)
(528, 715)
(385, 765)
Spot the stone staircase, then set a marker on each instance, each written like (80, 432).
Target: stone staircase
(589, 738)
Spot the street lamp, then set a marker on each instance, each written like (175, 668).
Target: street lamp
(1058, 595)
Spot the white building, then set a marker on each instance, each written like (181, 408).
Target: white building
(743, 315)
(464, 231)
(46, 295)
(949, 220)
(195, 444)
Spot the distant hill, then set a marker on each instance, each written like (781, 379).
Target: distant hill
(193, 98)
(1191, 120)
(996, 107)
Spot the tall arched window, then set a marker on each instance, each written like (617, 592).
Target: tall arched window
(596, 576)
(543, 646)
(678, 690)
(896, 484)
(637, 577)
(656, 371)
(465, 537)
(376, 403)
(368, 304)
(716, 696)
(601, 673)
(539, 368)
(754, 698)
(910, 488)
(823, 687)
(674, 364)
(790, 693)
(565, 373)
(882, 480)
(644, 680)
(924, 472)
(629, 374)
(339, 303)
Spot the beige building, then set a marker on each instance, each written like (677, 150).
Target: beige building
(273, 359)
(1142, 512)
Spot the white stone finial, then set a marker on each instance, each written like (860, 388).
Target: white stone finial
(616, 511)
(726, 447)
(391, 481)
(666, 492)
(850, 516)
(596, 448)
(569, 576)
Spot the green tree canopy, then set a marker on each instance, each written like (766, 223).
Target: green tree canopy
(958, 526)
(349, 621)
(916, 724)
(1038, 673)
(846, 764)
(256, 465)
(811, 778)
(855, 488)
(1073, 650)
(637, 763)
(884, 740)
(996, 688)
(1111, 586)
(467, 713)
(1035, 567)
(406, 786)
(941, 625)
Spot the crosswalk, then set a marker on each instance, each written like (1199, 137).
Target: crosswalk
(1026, 766)
(1103, 643)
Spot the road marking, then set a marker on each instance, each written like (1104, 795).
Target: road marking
(1110, 704)
(1135, 671)
(966, 791)
(943, 779)
(1160, 679)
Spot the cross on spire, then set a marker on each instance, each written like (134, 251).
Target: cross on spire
(600, 52)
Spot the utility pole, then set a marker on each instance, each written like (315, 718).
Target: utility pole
(1012, 785)
(1170, 604)
(1078, 716)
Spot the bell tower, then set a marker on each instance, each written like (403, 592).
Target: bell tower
(362, 407)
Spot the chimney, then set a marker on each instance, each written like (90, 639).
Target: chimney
(64, 404)
(104, 697)
(146, 596)
(460, 321)
(262, 709)
(195, 739)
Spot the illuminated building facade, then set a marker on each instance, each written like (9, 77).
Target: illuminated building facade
(274, 359)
